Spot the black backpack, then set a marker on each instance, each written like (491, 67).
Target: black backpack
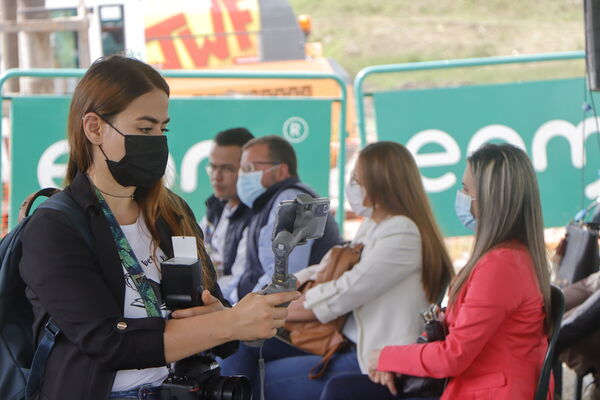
(21, 364)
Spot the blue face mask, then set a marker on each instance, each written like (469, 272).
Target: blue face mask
(462, 206)
(249, 187)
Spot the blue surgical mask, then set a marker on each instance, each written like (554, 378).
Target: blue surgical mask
(249, 186)
(462, 206)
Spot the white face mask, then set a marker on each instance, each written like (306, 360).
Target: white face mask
(462, 207)
(356, 194)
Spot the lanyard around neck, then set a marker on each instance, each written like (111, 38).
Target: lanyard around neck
(130, 261)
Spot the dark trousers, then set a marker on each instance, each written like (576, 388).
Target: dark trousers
(286, 370)
(359, 387)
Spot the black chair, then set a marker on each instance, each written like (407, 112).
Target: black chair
(581, 322)
(557, 309)
(580, 258)
(579, 387)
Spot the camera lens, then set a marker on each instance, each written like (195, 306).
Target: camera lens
(227, 388)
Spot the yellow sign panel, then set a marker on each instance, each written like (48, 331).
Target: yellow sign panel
(192, 34)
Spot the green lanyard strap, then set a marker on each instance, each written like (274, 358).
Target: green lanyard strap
(130, 261)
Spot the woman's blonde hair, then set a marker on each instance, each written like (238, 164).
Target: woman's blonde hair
(392, 182)
(508, 204)
(107, 88)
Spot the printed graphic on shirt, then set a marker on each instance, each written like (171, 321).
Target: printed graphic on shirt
(138, 302)
(141, 243)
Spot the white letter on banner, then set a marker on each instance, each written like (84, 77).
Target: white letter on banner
(450, 156)
(190, 162)
(592, 191)
(590, 126)
(567, 130)
(170, 172)
(48, 170)
(491, 132)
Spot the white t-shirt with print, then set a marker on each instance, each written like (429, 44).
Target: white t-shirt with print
(140, 241)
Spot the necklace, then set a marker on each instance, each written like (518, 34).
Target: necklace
(131, 196)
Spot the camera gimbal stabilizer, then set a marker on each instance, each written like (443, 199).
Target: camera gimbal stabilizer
(297, 221)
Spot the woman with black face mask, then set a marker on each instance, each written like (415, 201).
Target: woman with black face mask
(115, 340)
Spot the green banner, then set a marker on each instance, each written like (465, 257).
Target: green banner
(546, 118)
(39, 149)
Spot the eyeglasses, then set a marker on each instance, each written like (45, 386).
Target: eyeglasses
(223, 168)
(251, 166)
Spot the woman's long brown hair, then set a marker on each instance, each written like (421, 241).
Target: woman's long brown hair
(508, 201)
(393, 183)
(107, 88)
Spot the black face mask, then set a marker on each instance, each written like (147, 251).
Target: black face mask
(145, 160)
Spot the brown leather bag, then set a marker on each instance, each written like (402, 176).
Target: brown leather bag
(313, 336)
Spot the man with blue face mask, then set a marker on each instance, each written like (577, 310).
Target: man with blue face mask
(268, 175)
(226, 217)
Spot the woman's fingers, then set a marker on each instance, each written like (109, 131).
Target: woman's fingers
(275, 299)
(373, 359)
(377, 377)
(279, 313)
(194, 311)
(390, 382)
(209, 304)
(384, 378)
(258, 317)
(208, 298)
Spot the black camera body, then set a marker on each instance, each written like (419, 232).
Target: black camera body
(181, 282)
(197, 377)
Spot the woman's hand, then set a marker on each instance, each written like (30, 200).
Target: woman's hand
(381, 377)
(211, 304)
(258, 317)
(386, 379)
(374, 359)
(297, 312)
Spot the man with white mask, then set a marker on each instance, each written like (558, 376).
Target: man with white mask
(268, 175)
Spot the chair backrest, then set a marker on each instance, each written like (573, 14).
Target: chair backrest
(557, 309)
(581, 254)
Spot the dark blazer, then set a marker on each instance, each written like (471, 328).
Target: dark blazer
(84, 293)
(238, 221)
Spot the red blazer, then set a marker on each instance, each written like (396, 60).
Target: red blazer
(496, 343)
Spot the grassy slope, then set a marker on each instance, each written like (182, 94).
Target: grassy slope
(359, 33)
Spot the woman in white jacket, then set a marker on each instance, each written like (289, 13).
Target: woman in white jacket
(403, 268)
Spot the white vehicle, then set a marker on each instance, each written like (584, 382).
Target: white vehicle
(184, 34)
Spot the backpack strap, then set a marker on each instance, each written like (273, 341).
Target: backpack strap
(38, 365)
(64, 203)
(28, 202)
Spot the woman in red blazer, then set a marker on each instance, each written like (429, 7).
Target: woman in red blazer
(498, 303)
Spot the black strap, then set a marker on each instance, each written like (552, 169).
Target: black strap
(38, 365)
(65, 204)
